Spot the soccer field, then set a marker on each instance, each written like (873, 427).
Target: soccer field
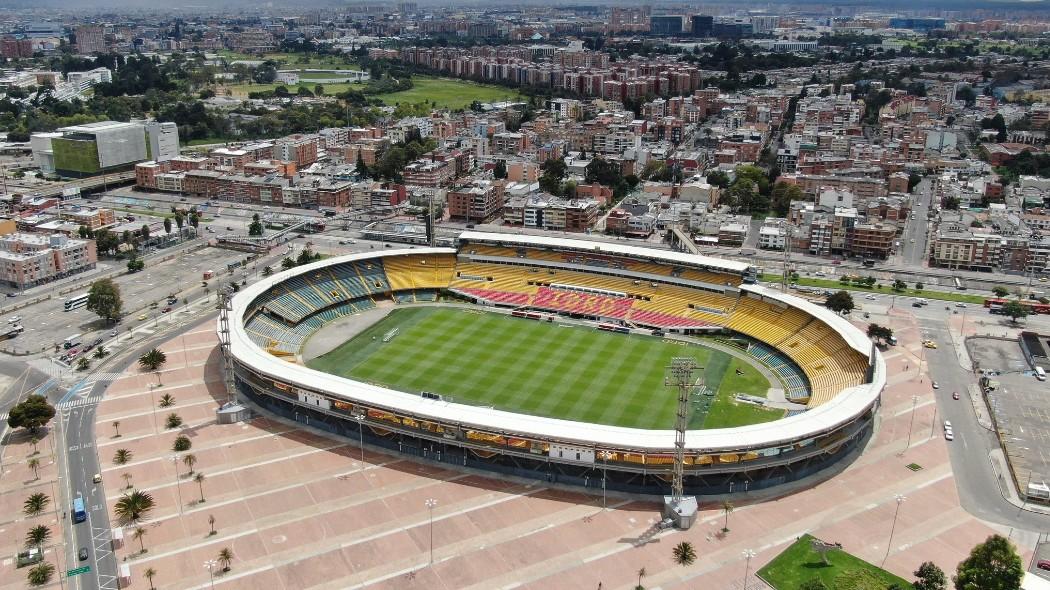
(551, 370)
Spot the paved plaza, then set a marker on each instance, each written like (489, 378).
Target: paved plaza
(300, 509)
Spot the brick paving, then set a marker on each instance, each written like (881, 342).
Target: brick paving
(301, 510)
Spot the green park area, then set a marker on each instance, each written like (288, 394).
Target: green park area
(800, 563)
(449, 93)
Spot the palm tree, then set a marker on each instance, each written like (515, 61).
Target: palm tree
(116, 428)
(41, 574)
(34, 464)
(37, 536)
(101, 352)
(182, 443)
(122, 456)
(225, 558)
(211, 523)
(641, 574)
(148, 574)
(173, 420)
(35, 504)
(167, 400)
(131, 508)
(683, 553)
(139, 534)
(189, 461)
(127, 479)
(200, 484)
(34, 441)
(152, 360)
(727, 508)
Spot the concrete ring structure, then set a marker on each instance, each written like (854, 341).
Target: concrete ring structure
(825, 363)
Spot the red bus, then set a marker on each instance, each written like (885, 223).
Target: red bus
(995, 305)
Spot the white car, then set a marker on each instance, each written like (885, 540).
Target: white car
(949, 435)
(936, 385)
(870, 297)
(14, 319)
(947, 425)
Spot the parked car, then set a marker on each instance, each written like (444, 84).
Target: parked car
(949, 435)
(14, 319)
(97, 341)
(936, 385)
(1044, 564)
(955, 395)
(165, 310)
(82, 554)
(142, 317)
(12, 294)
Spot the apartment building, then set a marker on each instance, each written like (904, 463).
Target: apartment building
(30, 259)
(477, 202)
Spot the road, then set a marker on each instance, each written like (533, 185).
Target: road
(913, 240)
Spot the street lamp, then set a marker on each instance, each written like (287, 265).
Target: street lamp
(431, 504)
(210, 566)
(911, 424)
(900, 500)
(178, 486)
(748, 554)
(361, 436)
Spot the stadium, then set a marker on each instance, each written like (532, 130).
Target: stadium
(545, 358)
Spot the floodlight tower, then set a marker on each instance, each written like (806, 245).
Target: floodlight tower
(681, 375)
(225, 307)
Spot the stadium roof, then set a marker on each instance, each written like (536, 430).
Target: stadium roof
(608, 248)
(847, 406)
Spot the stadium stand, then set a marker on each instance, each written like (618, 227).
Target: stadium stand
(419, 272)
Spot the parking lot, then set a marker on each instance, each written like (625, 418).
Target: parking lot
(1021, 407)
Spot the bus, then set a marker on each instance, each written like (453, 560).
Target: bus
(76, 301)
(78, 510)
(995, 305)
(959, 284)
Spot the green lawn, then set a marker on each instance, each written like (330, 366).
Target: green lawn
(799, 563)
(552, 370)
(449, 93)
(242, 90)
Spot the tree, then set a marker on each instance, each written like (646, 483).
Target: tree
(267, 271)
(992, 565)
(839, 302)
(211, 524)
(167, 225)
(899, 285)
(133, 507)
(83, 363)
(34, 464)
(148, 574)
(35, 504)
(144, 232)
(913, 181)
(199, 478)
(727, 509)
(104, 300)
(782, 196)
(122, 456)
(152, 360)
(189, 461)
(641, 574)
(127, 479)
(255, 228)
(100, 352)
(919, 286)
(1000, 291)
(180, 220)
(135, 264)
(930, 577)
(361, 168)
(40, 574)
(173, 421)
(684, 553)
(319, 89)
(1015, 310)
(166, 401)
(225, 558)
(500, 170)
(139, 534)
(182, 444)
(37, 536)
(31, 413)
(719, 179)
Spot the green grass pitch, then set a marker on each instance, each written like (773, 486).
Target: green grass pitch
(552, 370)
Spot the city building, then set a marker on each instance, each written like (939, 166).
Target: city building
(91, 39)
(31, 259)
(92, 148)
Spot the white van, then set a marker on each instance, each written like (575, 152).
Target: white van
(1040, 374)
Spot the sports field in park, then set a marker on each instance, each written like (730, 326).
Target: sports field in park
(553, 370)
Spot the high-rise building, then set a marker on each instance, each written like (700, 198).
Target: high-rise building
(762, 24)
(162, 140)
(15, 48)
(703, 25)
(91, 39)
(85, 150)
(665, 25)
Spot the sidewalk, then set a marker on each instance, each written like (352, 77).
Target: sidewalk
(1006, 486)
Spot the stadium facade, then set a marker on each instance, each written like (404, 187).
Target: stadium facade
(826, 364)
